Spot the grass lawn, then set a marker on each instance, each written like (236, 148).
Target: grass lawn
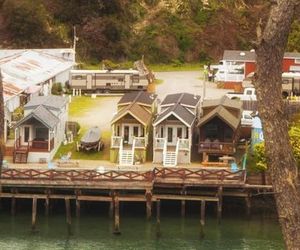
(158, 67)
(92, 155)
(90, 112)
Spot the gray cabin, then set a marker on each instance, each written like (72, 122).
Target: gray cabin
(173, 129)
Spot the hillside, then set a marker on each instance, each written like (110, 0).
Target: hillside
(162, 30)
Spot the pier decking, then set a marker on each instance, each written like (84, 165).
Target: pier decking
(203, 184)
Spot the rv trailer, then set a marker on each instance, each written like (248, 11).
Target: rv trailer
(91, 81)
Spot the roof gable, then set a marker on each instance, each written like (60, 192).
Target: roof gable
(50, 101)
(42, 115)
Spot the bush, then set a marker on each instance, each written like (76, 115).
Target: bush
(56, 89)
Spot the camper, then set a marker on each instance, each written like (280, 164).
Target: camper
(91, 81)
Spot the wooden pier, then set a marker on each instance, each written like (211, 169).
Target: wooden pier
(182, 184)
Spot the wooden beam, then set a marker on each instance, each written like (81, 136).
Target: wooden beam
(111, 205)
(183, 192)
(184, 197)
(34, 211)
(202, 219)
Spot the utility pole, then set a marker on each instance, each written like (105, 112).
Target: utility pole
(75, 39)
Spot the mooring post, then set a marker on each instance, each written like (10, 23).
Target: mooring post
(183, 192)
(148, 204)
(117, 216)
(68, 214)
(220, 203)
(158, 233)
(33, 218)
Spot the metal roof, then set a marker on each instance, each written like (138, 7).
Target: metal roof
(50, 101)
(42, 115)
(224, 101)
(250, 56)
(224, 115)
(120, 71)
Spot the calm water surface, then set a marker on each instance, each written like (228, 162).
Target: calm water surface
(95, 232)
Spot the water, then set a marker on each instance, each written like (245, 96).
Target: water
(94, 231)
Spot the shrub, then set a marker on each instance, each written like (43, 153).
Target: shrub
(56, 89)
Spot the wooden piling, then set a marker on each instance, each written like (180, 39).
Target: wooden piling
(202, 220)
(117, 216)
(183, 192)
(13, 206)
(34, 210)
(248, 204)
(158, 233)
(220, 203)
(77, 202)
(47, 203)
(111, 204)
(149, 204)
(68, 214)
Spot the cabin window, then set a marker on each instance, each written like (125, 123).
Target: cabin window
(78, 77)
(41, 134)
(187, 133)
(162, 132)
(170, 134)
(211, 131)
(120, 79)
(118, 130)
(179, 133)
(135, 131)
(249, 92)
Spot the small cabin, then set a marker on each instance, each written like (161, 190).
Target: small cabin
(173, 129)
(131, 127)
(39, 134)
(219, 127)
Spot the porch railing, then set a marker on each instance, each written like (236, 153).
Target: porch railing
(159, 143)
(140, 142)
(184, 144)
(40, 146)
(216, 147)
(116, 141)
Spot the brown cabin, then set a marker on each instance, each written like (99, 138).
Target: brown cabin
(219, 127)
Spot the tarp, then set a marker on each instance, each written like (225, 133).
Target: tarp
(93, 135)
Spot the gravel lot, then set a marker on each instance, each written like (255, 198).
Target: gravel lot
(189, 81)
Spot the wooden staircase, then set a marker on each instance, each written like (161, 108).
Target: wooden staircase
(126, 157)
(170, 157)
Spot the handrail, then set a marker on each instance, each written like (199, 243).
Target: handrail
(120, 149)
(200, 175)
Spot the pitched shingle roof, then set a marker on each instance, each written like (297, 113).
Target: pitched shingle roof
(135, 110)
(183, 98)
(50, 101)
(180, 112)
(141, 97)
(43, 115)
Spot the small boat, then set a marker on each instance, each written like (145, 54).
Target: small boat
(91, 140)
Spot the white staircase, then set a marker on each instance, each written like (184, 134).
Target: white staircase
(126, 157)
(170, 157)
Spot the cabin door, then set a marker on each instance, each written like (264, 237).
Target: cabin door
(126, 134)
(89, 80)
(26, 135)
